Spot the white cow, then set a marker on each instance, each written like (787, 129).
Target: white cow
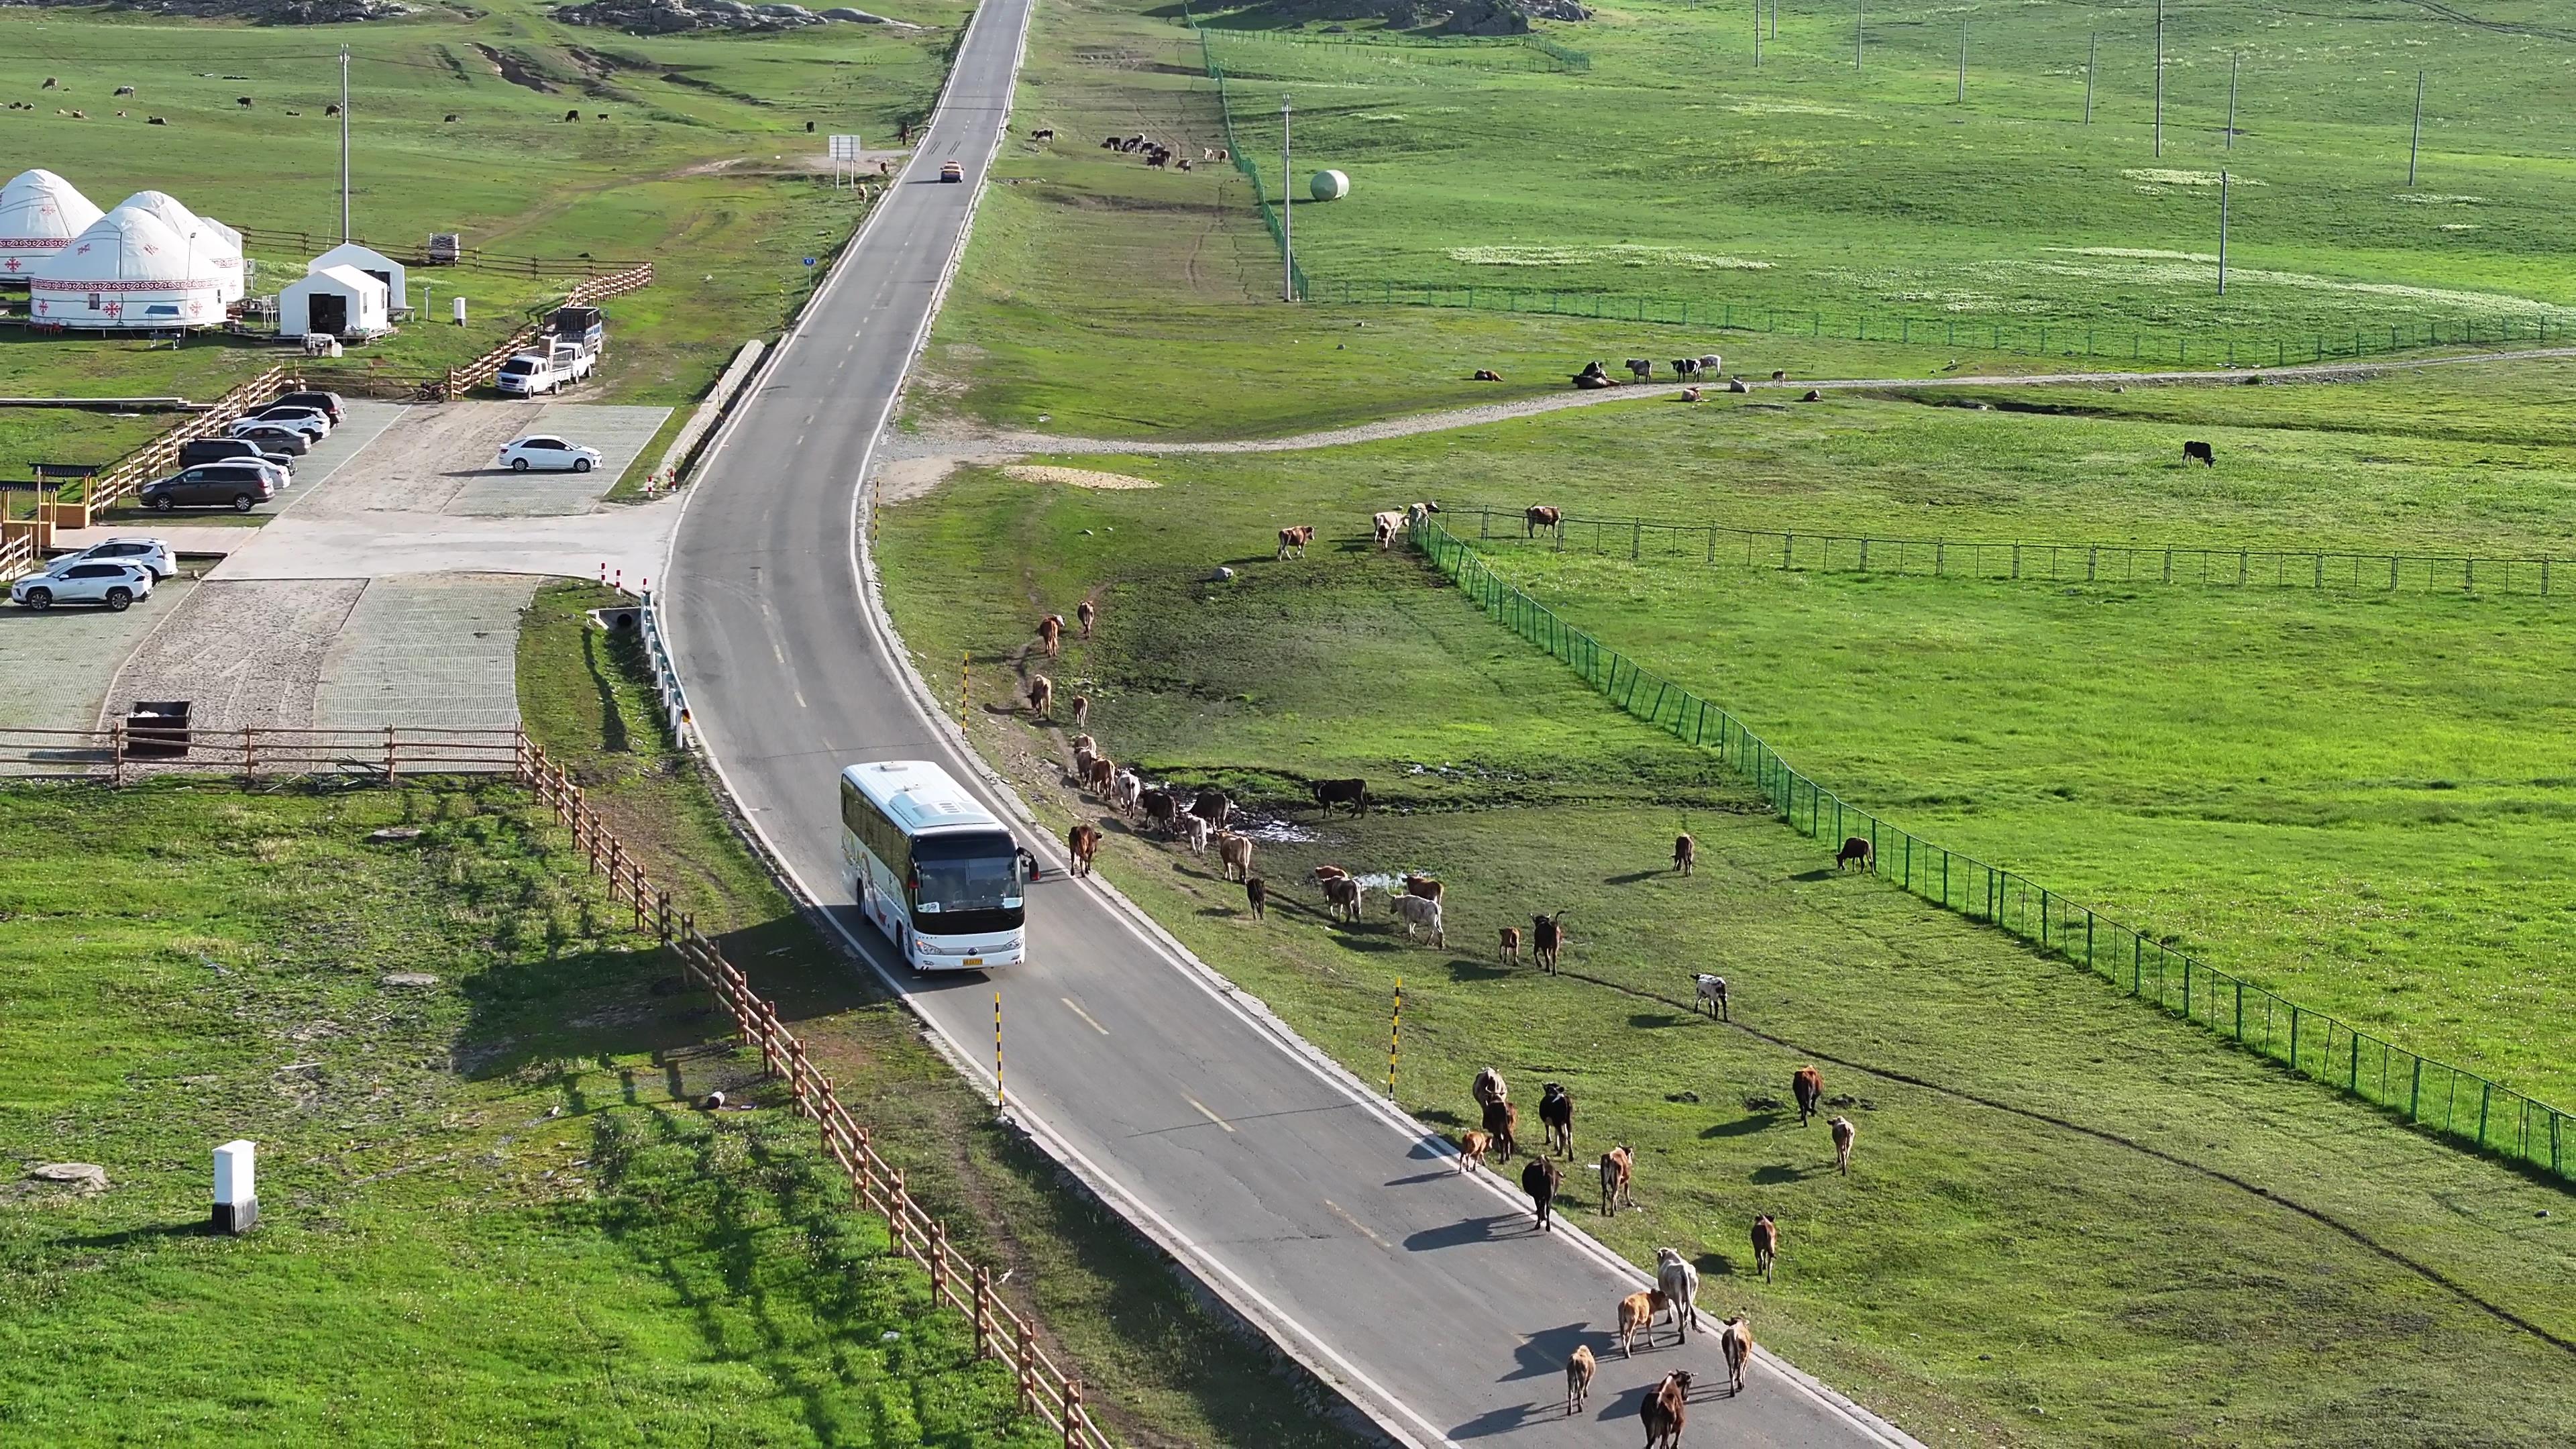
(1388, 525)
(1712, 994)
(1680, 1284)
(1197, 829)
(1418, 913)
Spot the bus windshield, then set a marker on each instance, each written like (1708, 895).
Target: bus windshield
(966, 882)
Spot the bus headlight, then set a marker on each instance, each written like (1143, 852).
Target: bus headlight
(921, 946)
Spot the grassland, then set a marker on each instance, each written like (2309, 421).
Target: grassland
(1156, 1368)
(2075, 1221)
(702, 165)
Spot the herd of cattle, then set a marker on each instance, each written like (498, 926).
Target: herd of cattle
(1155, 153)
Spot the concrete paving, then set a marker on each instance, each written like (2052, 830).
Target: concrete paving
(59, 664)
(242, 653)
(427, 652)
(619, 433)
(361, 423)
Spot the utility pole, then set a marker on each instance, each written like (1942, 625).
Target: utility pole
(2160, 77)
(2415, 142)
(1287, 213)
(2234, 57)
(1963, 62)
(344, 145)
(2222, 233)
(2092, 53)
(1859, 8)
(1757, 34)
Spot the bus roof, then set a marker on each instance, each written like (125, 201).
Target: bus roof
(920, 796)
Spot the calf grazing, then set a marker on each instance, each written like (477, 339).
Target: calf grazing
(1641, 368)
(572, 115)
(1539, 1180)
(1503, 1124)
(1766, 1245)
(1343, 896)
(1618, 1179)
(1556, 1111)
(1735, 1340)
(1422, 885)
(1845, 1134)
(1354, 793)
(1685, 853)
(1665, 1409)
(1043, 133)
(1856, 851)
(1472, 1147)
(1808, 1086)
(2199, 452)
(1637, 1315)
(1712, 994)
(1081, 710)
(1084, 613)
(1547, 939)
(1538, 516)
(1082, 843)
(1295, 540)
(1489, 1088)
(242, 101)
(331, 110)
(1386, 524)
(1578, 1378)
(453, 117)
(1051, 634)
(1042, 696)
(1419, 913)
(1256, 895)
(1511, 952)
(1680, 1282)
(1234, 855)
(1487, 374)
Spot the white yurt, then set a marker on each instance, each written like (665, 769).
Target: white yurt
(39, 215)
(216, 245)
(128, 270)
(372, 262)
(339, 301)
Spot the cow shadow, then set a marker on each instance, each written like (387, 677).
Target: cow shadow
(1632, 877)
(1819, 873)
(1543, 1354)
(1658, 1019)
(1741, 1127)
(1777, 1173)
(1466, 971)
(1441, 1116)
(1464, 1232)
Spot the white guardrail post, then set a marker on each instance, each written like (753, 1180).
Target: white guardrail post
(675, 704)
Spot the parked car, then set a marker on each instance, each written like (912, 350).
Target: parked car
(313, 421)
(224, 450)
(277, 438)
(114, 584)
(544, 452)
(149, 554)
(951, 171)
(238, 486)
(529, 374)
(326, 403)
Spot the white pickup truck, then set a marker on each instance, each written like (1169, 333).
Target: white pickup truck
(532, 373)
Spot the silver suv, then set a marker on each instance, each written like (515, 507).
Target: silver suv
(114, 584)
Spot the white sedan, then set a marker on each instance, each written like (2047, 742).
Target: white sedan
(551, 453)
(312, 425)
(113, 584)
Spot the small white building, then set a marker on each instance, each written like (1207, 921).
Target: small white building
(375, 264)
(127, 271)
(339, 301)
(40, 213)
(214, 244)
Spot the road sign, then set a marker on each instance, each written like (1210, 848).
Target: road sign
(845, 148)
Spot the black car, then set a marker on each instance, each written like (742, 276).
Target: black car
(326, 403)
(237, 486)
(218, 450)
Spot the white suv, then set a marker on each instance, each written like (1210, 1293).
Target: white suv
(149, 554)
(545, 452)
(113, 584)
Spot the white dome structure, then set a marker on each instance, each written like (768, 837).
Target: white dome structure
(217, 245)
(127, 271)
(39, 215)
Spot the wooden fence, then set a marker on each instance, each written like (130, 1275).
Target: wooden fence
(956, 1281)
(121, 751)
(482, 369)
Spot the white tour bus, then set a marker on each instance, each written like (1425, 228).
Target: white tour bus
(931, 867)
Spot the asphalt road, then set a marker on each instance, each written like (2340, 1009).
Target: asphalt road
(1332, 1222)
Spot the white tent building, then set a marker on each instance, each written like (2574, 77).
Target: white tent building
(340, 301)
(40, 213)
(375, 264)
(216, 245)
(128, 270)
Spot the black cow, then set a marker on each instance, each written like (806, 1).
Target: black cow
(1354, 793)
(2199, 452)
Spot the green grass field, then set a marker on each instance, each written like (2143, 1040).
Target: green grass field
(703, 166)
(2075, 1220)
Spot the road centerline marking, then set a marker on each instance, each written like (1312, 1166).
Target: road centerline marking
(1211, 1116)
(1357, 1224)
(1095, 1026)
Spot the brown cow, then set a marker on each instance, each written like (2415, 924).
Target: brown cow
(1051, 634)
(1343, 896)
(1578, 1378)
(1081, 710)
(1539, 517)
(1539, 1180)
(1082, 843)
(1104, 772)
(1844, 1135)
(1295, 539)
(1421, 885)
(1808, 1086)
(1472, 1147)
(1042, 696)
(1618, 1179)
(1323, 873)
(1856, 850)
(1637, 1315)
(1766, 1244)
(1502, 1123)
(1234, 855)
(1735, 1340)
(1084, 613)
(1511, 954)
(1685, 853)
(1547, 939)
(1665, 1409)
(1257, 895)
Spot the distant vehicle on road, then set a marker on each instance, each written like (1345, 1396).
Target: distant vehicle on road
(548, 453)
(276, 438)
(224, 450)
(114, 585)
(237, 486)
(149, 554)
(326, 403)
(932, 868)
(951, 171)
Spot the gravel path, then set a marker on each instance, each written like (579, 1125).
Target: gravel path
(989, 447)
(242, 653)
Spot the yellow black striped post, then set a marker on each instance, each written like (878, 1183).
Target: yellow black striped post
(1394, 1037)
(1001, 1095)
